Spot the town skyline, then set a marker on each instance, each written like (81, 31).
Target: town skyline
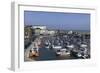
(58, 20)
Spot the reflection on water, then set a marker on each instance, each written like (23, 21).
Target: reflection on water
(46, 54)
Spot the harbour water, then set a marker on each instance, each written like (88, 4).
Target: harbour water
(46, 54)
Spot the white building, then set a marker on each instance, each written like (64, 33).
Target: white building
(40, 27)
(51, 32)
(70, 32)
(42, 30)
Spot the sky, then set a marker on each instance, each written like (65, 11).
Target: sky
(58, 20)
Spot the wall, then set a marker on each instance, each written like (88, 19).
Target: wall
(5, 35)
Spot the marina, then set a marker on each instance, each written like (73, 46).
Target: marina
(59, 46)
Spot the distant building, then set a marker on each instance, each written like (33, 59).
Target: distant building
(70, 32)
(28, 32)
(51, 32)
(39, 29)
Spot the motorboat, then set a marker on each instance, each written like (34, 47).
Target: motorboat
(70, 46)
(57, 47)
(83, 45)
(62, 52)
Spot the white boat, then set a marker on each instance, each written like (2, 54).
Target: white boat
(83, 45)
(79, 55)
(63, 52)
(64, 49)
(70, 46)
(47, 47)
(57, 47)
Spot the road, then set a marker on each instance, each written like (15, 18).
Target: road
(26, 52)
